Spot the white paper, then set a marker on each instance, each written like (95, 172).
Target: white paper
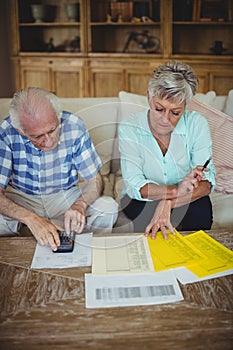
(121, 254)
(185, 276)
(102, 291)
(81, 255)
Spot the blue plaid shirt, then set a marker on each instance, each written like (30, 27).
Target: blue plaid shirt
(33, 171)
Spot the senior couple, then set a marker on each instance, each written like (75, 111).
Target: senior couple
(44, 152)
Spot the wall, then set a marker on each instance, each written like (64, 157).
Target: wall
(6, 85)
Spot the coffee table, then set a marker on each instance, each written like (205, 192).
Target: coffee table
(45, 309)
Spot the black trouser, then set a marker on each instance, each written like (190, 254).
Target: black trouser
(194, 216)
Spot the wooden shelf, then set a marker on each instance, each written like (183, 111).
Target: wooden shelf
(50, 24)
(125, 24)
(203, 23)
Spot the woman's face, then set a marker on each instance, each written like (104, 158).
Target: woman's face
(164, 115)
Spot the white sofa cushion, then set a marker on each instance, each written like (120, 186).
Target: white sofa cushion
(129, 97)
(222, 210)
(207, 98)
(100, 117)
(228, 108)
(210, 99)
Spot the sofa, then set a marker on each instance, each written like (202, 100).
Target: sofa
(102, 116)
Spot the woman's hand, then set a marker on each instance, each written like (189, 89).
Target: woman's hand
(191, 180)
(161, 220)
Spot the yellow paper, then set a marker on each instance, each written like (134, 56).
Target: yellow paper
(172, 252)
(218, 257)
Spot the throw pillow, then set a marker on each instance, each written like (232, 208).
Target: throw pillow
(222, 210)
(207, 99)
(221, 126)
(100, 120)
(129, 97)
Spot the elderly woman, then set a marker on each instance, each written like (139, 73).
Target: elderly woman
(163, 157)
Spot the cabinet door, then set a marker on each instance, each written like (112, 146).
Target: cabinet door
(35, 76)
(67, 83)
(203, 77)
(215, 76)
(67, 80)
(137, 80)
(221, 81)
(106, 82)
(64, 78)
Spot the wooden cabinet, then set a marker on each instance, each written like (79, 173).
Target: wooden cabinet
(108, 45)
(64, 77)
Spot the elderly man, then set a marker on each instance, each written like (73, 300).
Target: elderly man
(43, 152)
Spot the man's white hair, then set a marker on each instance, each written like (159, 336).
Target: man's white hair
(25, 102)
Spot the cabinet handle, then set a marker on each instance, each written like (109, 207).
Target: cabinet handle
(50, 62)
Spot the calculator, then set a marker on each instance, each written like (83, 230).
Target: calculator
(66, 242)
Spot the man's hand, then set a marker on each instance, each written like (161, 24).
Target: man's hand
(75, 217)
(44, 231)
(161, 220)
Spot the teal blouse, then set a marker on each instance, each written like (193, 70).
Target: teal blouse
(142, 160)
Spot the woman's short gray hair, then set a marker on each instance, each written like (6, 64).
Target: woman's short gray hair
(173, 80)
(26, 101)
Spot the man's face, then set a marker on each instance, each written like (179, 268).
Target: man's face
(43, 131)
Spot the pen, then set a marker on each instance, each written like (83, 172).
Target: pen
(206, 163)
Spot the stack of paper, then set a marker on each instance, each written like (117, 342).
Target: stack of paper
(135, 270)
(199, 255)
(123, 275)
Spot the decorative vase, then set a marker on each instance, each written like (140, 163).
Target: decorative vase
(218, 48)
(72, 12)
(38, 12)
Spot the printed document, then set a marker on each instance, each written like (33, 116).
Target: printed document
(81, 255)
(185, 276)
(121, 254)
(173, 252)
(217, 257)
(131, 289)
(192, 258)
